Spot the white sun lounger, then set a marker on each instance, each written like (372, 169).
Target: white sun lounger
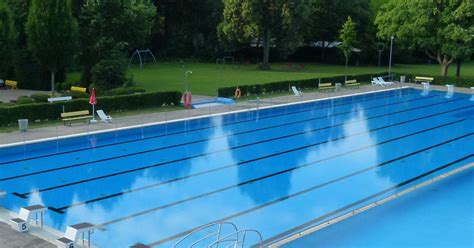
(384, 82)
(103, 117)
(296, 91)
(376, 81)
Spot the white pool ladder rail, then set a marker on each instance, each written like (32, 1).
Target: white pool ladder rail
(235, 238)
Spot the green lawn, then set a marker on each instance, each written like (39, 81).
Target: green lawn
(206, 77)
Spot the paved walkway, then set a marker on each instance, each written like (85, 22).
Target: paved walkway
(121, 122)
(12, 239)
(8, 94)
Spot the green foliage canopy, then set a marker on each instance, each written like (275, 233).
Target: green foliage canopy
(281, 21)
(7, 38)
(348, 38)
(51, 32)
(108, 26)
(442, 29)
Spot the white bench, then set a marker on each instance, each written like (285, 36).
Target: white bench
(22, 223)
(74, 234)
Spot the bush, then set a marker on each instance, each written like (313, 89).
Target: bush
(285, 86)
(40, 97)
(76, 95)
(441, 80)
(24, 100)
(111, 72)
(66, 86)
(30, 75)
(123, 91)
(51, 111)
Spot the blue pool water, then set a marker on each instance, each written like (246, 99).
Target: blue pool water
(278, 170)
(440, 215)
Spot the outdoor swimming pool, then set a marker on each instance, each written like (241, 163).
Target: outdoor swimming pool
(276, 170)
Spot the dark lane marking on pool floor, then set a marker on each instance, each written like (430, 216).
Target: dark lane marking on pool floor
(24, 195)
(340, 210)
(239, 133)
(335, 212)
(222, 150)
(210, 127)
(280, 173)
(61, 210)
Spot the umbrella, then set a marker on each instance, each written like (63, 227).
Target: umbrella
(93, 102)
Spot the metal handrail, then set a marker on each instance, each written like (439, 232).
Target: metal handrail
(217, 233)
(237, 241)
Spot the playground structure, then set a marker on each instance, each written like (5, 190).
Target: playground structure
(142, 55)
(224, 60)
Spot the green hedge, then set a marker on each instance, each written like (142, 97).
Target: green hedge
(284, 86)
(51, 111)
(440, 80)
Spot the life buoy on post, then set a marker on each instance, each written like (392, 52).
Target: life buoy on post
(237, 93)
(187, 99)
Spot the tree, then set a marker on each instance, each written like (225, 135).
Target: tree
(348, 36)
(51, 32)
(281, 21)
(108, 26)
(7, 39)
(442, 29)
(327, 16)
(187, 28)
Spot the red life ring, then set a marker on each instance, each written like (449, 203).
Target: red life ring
(187, 97)
(237, 93)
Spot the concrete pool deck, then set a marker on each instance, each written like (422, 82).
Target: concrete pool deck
(12, 239)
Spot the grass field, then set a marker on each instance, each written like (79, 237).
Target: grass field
(206, 77)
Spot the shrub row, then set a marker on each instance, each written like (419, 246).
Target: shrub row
(284, 86)
(442, 80)
(50, 111)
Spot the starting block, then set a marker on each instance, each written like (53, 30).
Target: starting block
(76, 233)
(22, 223)
(450, 93)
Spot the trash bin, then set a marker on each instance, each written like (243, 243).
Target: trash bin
(402, 79)
(23, 123)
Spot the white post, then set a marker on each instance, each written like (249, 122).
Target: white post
(390, 61)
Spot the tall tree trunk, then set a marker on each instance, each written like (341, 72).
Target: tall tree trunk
(345, 71)
(53, 76)
(444, 69)
(266, 50)
(458, 68)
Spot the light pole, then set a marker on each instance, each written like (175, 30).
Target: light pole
(390, 61)
(186, 80)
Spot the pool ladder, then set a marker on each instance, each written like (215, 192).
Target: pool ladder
(235, 238)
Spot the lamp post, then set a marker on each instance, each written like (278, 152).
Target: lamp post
(186, 80)
(390, 61)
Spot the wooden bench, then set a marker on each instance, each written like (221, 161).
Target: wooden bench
(78, 89)
(326, 87)
(352, 84)
(423, 79)
(69, 117)
(12, 84)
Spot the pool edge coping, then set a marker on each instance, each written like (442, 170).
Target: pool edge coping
(316, 228)
(190, 118)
